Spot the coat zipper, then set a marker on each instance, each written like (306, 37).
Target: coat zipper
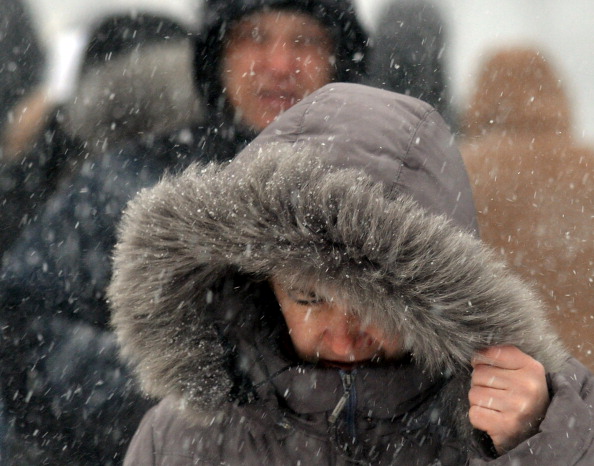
(349, 396)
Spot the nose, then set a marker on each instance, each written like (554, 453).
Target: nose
(344, 334)
(280, 58)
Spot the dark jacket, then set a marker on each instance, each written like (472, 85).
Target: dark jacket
(360, 191)
(533, 187)
(52, 298)
(60, 373)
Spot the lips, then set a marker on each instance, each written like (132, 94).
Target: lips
(278, 98)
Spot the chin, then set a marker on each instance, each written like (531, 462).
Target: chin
(348, 364)
(376, 360)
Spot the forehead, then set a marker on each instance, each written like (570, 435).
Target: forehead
(279, 19)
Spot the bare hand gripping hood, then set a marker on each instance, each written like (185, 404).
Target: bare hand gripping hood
(354, 188)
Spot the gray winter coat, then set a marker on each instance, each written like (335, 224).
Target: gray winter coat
(358, 189)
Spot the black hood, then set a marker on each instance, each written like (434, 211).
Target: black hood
(408, 53)
(338, 15)
(120, 35)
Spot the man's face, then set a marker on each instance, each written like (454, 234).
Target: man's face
(272, 60)
(324, 331)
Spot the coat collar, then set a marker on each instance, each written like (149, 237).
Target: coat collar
(383, 392)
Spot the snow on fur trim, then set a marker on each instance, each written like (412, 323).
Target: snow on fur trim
(292, 216)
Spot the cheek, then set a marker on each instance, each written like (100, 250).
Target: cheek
(390, 346)
(236, 69)
(303, 323)
(315, 70)
(305, 328)
(391, 350)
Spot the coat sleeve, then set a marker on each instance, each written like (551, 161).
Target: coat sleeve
(566, 435)
(167, 437)
(142, 446)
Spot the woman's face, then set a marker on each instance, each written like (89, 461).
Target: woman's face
(322, 330)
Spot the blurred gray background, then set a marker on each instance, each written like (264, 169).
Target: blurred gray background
(563, 28)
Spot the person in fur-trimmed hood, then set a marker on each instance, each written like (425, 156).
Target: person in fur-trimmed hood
(324, 299)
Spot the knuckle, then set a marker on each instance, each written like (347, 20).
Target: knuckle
(532, 388)
(475, 395)
(536, 367)
(477, 417)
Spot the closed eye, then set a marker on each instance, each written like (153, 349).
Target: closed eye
(304, 298)
(308, 302)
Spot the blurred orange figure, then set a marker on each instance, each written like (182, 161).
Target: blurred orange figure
(534, 187)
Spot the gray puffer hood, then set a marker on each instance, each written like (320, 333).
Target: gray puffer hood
(355, 189)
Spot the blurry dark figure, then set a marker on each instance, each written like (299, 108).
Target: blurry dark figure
(139, 95)
(125, 35)
(135, 81)
(21, 69)
(127, 87)
(4, 431)
(66, 385)
(534, 186)
(21, 66)
(407, 55)
(21, 58)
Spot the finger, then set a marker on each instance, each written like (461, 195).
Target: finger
(504, 433)
(488, 398)
(488, 356)
(483, 418)
(505, 357)
(501, 400)
(492, 377)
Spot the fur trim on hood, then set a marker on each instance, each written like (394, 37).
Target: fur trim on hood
(287, 210)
